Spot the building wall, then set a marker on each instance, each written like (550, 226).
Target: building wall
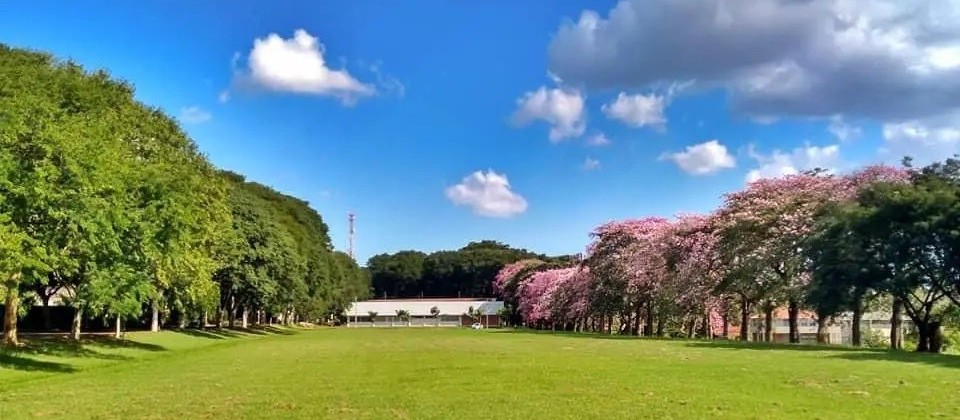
(489, 321)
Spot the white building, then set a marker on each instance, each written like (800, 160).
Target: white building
(871, 323)
(449, 313)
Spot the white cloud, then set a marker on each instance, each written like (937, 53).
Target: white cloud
(591, 164)
(562, 108)
(919, 132)
(598, 140)
(487, 194)
(924, 141)
(637, 110)
(194, 115)
(778, 163)
(702, 159)
(877, 59)
(843, 130)
(297, 65)
(224, 96)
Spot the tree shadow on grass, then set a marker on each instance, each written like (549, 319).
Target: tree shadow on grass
(13, 361)
(841, 352)
(65, 347)
(941, 360)
(269, 329)
(570, 334)
(753, 345)
(210, 334)
(223, 333)
(113, 343)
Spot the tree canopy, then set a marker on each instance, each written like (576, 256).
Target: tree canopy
(109, 199)
(817, 241)
(467, 272)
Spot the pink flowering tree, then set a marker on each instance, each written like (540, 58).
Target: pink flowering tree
(537, 296)
(570, 300)
(506, 280)
(695, 273)
(627, 263)
(509, 283)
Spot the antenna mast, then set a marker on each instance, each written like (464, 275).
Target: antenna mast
(352, 218)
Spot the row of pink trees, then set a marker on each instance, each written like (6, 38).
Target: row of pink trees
(686, 275)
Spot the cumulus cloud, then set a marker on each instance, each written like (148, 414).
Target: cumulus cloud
(562, 108)
(591, 164)
(598, 140)
(702, 159)
(194, 115)
(925, 141)
(487, 193)
(298, 65)
(779, 163)
(890, 60)
(637, 110)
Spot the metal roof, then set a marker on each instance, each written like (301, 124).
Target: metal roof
(421, 307)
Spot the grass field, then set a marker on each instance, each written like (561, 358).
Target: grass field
(460, 374)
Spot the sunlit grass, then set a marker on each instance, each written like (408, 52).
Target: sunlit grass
(458, 373)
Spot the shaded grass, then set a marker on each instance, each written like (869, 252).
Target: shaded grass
(16, 362)
(443, 373)
(56, 353)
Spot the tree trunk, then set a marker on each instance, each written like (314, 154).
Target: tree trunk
(10, 311)
(923, 342)
(768, 323)
(793, 313)
(636, 320)
(243, 318)
(648, 325)
(155, 318)
(726, 325)
(203, 319)
(936, 337)
(744, 320)
(822, 335)
(931, 338)
(896, 342)
(77, 321)
(116, 332)
(660, 330)
(855, 332)
(47, 322)
(707, 328)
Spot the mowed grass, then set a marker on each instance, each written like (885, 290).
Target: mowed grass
(426, 373)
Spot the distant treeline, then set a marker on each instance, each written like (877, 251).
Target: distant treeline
(466, 272)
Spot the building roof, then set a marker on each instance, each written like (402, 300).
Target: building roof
(421, 307)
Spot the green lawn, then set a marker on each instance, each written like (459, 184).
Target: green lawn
(462, 374)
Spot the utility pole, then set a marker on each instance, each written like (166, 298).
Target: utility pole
(351, 218)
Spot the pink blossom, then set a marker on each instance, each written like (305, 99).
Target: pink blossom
(508, 274)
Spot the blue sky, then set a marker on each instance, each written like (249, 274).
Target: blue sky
(407, 100)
